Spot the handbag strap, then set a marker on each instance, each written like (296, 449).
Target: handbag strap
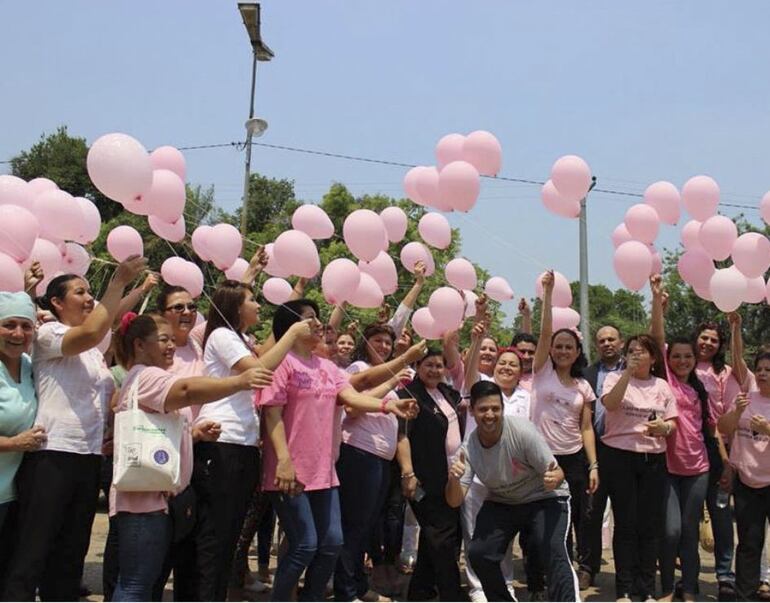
(133, 394)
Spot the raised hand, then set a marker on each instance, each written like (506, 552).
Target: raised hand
(741, 402)
(524, 309)
(548, 281)
(419, 271)
(129, 269)
(302, 329)
(416, 352)
(256, 378)
(404, 408)
(457, 469)
(32, 278)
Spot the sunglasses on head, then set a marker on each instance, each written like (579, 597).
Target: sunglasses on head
(179, 308)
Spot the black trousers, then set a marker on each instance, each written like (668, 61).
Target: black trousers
(590, 560)
(58, 492)
(437, 551)
(752, 510)
(224, 479)
(636, 482)
(497, 525)
(110, 558)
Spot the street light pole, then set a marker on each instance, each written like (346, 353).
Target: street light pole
(585, 330)
(249, 135)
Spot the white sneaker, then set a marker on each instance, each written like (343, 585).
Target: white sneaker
(257, 587)
(512, 592)
(478, 596)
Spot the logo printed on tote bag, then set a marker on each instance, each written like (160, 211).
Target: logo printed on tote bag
(160, 456)
(133, 455)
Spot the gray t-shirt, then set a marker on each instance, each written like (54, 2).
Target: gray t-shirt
(512, 470)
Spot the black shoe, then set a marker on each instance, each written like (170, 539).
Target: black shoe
(538, 595)
(727, 592)
(585, 579)
(84, 591)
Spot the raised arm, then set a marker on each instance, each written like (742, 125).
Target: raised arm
(335, 320)
(614, 397)
(275, 354)
(268, 345)
(199, 390)
(88, 335)
(472, 360)
(419, 283)
(376, 375)
(136, 294)
(657, 325)
(256, 265)
(546, 324)
(740, 370)
(526, 316)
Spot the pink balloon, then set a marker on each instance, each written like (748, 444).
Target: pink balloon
(395, 222)
(691, 235)
(447, 307)
(498, 289)
(199, 242)
(704, 292)
(224, 245)
(717, 236)
(174, 231)
(470, 303)
(565, 318)
(237, 270)
(728, 288)
(364, 234)
(276, 290)
(19, 231)
(313, 221)
(167, 196)
(172, 270)
(751, 254)
(620, 235)
(657, 261)
(410, 184)
(273, 268)
(11, 274)
(48, 255)
(695, 267)
(296, 252)
(459, 185)
(425, 325)
(633, 262)
(383, 270)
(14, 191)
(664, 198)
(414, 252)
(367, 294)
(137, 205)
(91, 224)
(642, 223)
(123, 242)
(75, 259)
(435, 230)
(38, 186)
(461, 274)
(700, 196)
(571, 176)
(562, 293)
(764, 208)
(555, 203)
(169, 158)
(483, 151)
(755, 290)
(449, 149)
(427, 189)
(120, 167)
(59, 215)
(181, 273)
(340, 278)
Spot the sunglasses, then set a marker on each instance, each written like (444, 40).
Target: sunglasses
(179, 308)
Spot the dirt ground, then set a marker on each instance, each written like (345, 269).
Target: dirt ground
(603, 591)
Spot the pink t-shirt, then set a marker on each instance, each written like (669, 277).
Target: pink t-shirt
(453, 439)
(154, 385)
(715, 385)
(750, 450)
(624, 426)
(685, 447)
(526, 381)
(307, 389)
(188, 362)
(375, 433)
(556, 409)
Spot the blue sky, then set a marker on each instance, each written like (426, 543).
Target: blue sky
(644, 92)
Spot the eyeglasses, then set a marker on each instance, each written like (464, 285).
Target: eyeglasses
(179, 308)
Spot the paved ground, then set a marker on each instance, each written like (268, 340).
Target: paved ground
(603, 591)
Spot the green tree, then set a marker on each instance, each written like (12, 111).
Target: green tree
(62, 158)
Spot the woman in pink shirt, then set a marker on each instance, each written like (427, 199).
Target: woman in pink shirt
(145, 347)
(687, 458)
(748, 422)
(641, 409)
(561, 410)
(299, 474)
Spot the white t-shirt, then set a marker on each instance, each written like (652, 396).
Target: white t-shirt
(73, 393)
(224, 348)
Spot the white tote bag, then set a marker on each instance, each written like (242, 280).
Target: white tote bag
(147, 447)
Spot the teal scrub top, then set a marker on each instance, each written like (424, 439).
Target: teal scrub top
(18, 408)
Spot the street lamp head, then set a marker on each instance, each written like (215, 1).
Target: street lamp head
(255, 127)
(250, 13)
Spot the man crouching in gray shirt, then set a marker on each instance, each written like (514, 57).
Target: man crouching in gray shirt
(526, 488)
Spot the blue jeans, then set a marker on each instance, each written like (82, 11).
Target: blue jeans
(683, 501)
(143, 540)
(311, 522)
(364, 481)
(721, 524)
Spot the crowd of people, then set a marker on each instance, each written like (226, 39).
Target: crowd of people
(356, 441)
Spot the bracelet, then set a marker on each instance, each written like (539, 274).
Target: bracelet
(407, 475)
(383, 404)
(594, 465)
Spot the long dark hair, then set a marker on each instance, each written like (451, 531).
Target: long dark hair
(57, 288)
(289, 313)
(693, 381)
(658, 368)
(718, 361)
(377, 328)
(225, 308)
(576, 370)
